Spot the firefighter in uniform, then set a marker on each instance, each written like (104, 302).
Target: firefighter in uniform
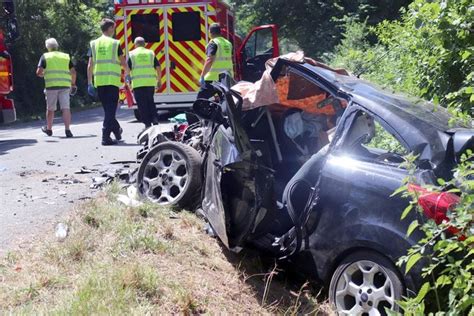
(219, 59)
(104, 73)
(145, 77)
(60, 81)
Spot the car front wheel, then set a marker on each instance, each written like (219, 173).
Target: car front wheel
(170, 174)
(365, 283)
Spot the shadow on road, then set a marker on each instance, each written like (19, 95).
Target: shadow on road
(7, 145)
(122, 144)
(76, 136)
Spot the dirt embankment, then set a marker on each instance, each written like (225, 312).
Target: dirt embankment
(122, 260)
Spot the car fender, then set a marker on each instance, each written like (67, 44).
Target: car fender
(331, 246)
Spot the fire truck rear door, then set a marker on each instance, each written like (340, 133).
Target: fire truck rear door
(186, 36)
(149, 23)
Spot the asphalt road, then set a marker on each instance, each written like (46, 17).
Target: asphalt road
(38, 187)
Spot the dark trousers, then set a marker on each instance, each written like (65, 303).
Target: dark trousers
(200, 105)
(146, 105)
(109, 96)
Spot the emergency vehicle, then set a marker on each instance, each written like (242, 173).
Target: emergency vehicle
(177, 30)
(8, 33)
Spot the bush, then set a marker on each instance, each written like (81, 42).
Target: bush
(447, 248)
(428, 53)
(73, 24)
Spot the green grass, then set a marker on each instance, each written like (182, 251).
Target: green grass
(120, 260)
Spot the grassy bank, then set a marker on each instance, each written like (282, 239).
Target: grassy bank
(123, 260)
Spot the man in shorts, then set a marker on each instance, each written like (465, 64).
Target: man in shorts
(60, 79)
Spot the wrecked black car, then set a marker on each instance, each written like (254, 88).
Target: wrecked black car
(311, 178)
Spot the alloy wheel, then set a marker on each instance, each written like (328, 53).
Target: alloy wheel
(364, 288)
(166, 177)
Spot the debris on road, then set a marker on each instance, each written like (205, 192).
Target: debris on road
(85, 170)
(69, 181)
(50, 163)
(126, 173)
(128, 201)
(61, 231)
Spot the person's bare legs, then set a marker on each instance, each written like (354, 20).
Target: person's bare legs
(67, 118)
(49, 119)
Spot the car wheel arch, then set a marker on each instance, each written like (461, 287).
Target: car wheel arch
(350, 251)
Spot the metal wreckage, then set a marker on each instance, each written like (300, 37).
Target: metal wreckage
(302, 165)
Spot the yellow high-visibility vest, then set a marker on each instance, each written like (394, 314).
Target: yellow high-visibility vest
(223, 61)
(57, 72)
(143, 68)
(107, 69)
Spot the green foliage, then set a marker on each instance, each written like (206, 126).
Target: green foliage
(73, 23)
(386, 141)
(429, 52)
(315, 26)
(450, 257)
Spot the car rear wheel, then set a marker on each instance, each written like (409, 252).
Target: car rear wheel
(365, 283)
(170, 174)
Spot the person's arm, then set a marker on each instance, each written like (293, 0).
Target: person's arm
(158, 77)
(90, 66)
(40, 72)
(73, 73)
(211, 52)
(158, 73)
(41, 67)
(123, 62)
(207, 65)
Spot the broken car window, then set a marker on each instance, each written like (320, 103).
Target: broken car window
(296, 91)
(386, 141)
(368, 139)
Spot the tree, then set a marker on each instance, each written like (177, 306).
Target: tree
(74, 23)
(316, 26)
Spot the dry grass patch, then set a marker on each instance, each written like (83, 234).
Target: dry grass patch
(122, 260)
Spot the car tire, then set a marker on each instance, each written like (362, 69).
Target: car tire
(136, 113)
(351, 290)
(170, 174)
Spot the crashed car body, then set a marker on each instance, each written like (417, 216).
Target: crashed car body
(323, 194)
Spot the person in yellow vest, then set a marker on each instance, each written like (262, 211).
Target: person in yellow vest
(145, 75)
(219, 59)
(60, 81)
(104, 77)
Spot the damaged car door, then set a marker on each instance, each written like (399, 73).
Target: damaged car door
(236, 185)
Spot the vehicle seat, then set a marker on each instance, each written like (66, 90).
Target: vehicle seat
(361, 132)
(299, 187)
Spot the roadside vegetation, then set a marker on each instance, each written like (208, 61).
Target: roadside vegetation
(74, 24)
(121, 260)
(447, 247)
(427, 51)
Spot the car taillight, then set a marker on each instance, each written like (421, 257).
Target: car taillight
(436, 205)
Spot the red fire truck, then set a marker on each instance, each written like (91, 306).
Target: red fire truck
(177, 30)
(8, 33)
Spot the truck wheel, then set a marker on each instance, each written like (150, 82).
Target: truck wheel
(170, 174)
(365, 283)
(137, 115)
